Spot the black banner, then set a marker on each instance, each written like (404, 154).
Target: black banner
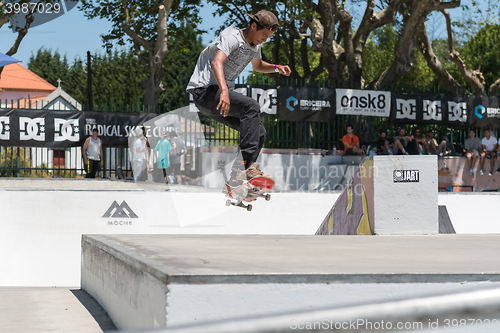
(311, 104)
(47, 128)
(425, 109)
(484, 111)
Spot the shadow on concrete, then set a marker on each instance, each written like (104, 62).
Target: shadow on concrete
(96, 311)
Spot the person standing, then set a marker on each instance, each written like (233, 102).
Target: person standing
(139, 157)
(179, 149)
(163, 149)
(92, 154)
(213, 81)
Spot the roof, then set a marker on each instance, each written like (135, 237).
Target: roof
(18, 77)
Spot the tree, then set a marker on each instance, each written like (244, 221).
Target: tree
(117, 76)
(343, 32)
(144, 24)
(180, 61)
(6, 13)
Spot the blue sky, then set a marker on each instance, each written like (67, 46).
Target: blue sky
(73, 35)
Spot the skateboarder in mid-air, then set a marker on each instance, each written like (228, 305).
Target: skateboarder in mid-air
(212, 85)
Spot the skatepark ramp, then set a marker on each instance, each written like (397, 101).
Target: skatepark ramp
(387, 195)
(157, 281)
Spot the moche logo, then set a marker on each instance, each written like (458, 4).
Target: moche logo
(120, 211)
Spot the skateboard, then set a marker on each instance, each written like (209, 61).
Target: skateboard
(250, 191)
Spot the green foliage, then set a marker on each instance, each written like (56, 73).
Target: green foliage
(15, 161)
(379, 54)
(116, 77)
(180, 61)
(481, 53)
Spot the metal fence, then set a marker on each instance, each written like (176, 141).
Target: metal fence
(45, 162)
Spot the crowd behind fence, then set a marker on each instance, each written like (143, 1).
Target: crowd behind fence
(68, 162)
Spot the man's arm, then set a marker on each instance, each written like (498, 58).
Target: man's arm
(347, 145)
(218, 69)
(264, 67)
(101, 157)
(85, 146)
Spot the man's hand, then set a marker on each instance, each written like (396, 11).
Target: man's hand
(224, 103)
(285, 70)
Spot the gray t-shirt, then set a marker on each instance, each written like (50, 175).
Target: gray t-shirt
(239, 54)
(473, 145)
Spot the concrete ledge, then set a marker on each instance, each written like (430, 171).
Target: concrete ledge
(145, 281)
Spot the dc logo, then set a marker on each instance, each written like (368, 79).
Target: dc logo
(406, 109)
(32, 129)
(479, 111)
(66, 130)
(291, 103)
(4, 128)
(457, 111)
(268, 99)
(432, 110)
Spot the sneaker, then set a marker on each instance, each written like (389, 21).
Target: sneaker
(405, 152)
(251, 172)
(367, 152)
(471, 172)
(498, 170)
(490, 174)
(232, 183)
(481, 172)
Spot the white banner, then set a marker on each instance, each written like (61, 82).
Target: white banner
(363, 102)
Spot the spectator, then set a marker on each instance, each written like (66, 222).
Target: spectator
(179, 149)
(163, 150)
(401, 142)
(139, 157)
(433, 148)
(419, 145)
(384, 144)
(92, 154)
(351, 143)
(472, 146)
(489, 145)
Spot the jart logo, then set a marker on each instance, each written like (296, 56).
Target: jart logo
(122, 211)
(406, 176)
(291, 102)
(480, 110)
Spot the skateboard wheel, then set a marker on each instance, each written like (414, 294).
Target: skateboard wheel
(268, 197)
(249, 208)
(228, 202)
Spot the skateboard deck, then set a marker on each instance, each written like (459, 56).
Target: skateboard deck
(250, 191)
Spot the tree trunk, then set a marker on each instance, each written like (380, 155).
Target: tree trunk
(157, 52)
(425, 46)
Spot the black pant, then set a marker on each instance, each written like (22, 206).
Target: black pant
(91, 168)
(243, 116)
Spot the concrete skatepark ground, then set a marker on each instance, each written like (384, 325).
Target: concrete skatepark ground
(64, 308)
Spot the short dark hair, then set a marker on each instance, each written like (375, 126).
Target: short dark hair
(95, 130)
(259, 26)
(349, 125)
